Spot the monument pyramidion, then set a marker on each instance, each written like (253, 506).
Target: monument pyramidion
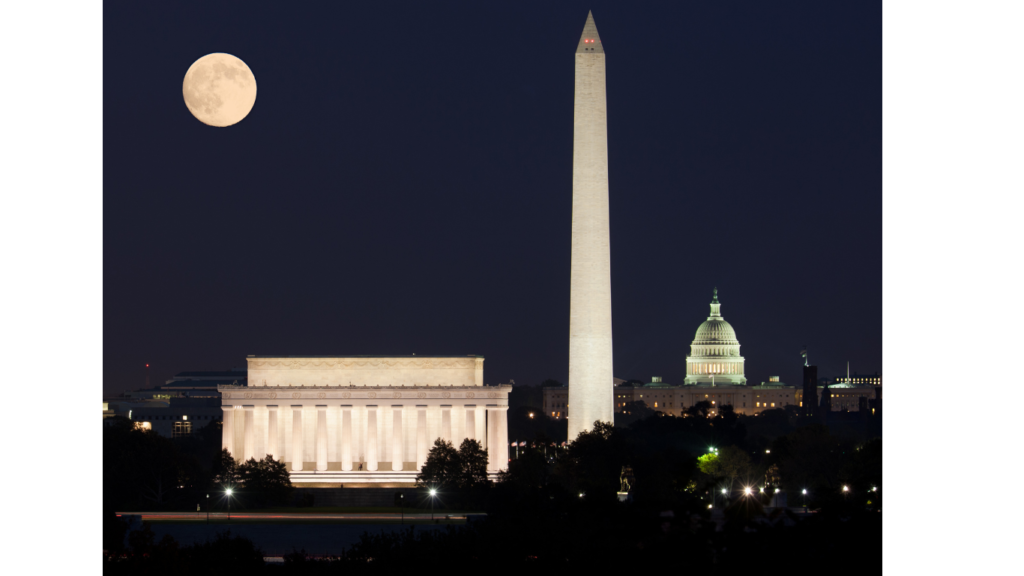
(591, 396)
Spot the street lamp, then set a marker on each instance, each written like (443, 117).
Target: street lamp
(228, 494)
(748, 491)
(804, 492)
(433, 493)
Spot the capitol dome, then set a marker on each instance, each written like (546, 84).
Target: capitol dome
(714, 331)
(715, 352)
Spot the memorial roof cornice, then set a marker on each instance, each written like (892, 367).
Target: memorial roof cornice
(358, 387)
(363, 356)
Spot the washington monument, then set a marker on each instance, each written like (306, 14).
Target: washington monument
(590, 283)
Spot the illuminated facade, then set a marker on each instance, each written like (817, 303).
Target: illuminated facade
(714, 357)
(590, 282)
(859, 379)
(362, 420)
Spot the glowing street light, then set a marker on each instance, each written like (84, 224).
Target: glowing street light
(804, 492)
(227, 493)
(846, 488)
(748, 491)
(433, 493)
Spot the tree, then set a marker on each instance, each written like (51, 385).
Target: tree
(710, 464)
(442, 468)
(472, 460)
(266, 481)
(735, 463)
(449, 468)
(702, 408)
(633, 412)
(225, 469)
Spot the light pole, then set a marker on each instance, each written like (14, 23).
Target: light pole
(228, 494)
(433, 493)
(804, 492)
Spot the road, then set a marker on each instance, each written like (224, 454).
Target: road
(346, 517)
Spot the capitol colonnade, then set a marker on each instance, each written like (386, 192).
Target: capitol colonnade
(368, 433)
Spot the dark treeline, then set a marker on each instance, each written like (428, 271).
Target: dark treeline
(556, 509)
(145, 471)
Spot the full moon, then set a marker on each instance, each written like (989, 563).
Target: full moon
(219, 89)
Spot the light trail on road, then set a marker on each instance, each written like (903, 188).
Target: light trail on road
(351, 516)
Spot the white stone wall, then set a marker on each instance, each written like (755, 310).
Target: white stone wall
(590, 302)
(383, 371)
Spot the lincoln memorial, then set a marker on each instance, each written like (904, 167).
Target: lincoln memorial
(356, 420)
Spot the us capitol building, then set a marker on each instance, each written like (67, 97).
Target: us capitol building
(714, 357)
(714, 374)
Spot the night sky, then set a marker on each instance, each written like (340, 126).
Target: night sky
(404, 184)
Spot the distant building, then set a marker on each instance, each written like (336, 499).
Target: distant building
(859, 379)
(715, 374)
(184, 404)
(675, 399)
(556, 401)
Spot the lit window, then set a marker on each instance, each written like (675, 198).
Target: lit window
(182, 429)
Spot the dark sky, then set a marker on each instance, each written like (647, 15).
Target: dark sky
(404, 184)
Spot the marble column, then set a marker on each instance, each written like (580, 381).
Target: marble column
(471, 421)
(492, 438)
(421, 435)
(371, 438)
(321, 438)
(501, 438)
(272, 433)
(297, 452)
(228, 430)
(346, 438)
(446, 423)
(249, 437)
(397, 440)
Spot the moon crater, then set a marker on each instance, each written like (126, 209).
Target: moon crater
(219, 89)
